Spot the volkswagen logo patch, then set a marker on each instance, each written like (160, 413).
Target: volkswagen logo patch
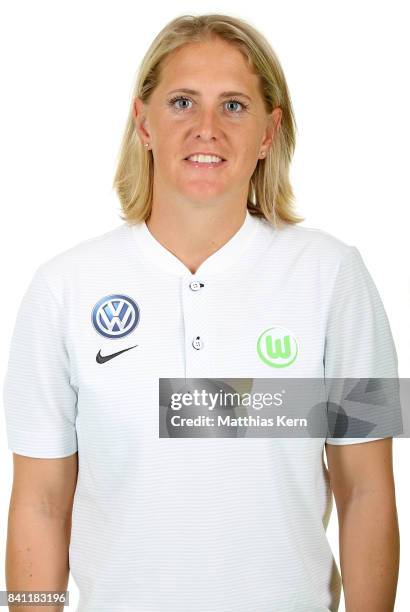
(115, 316)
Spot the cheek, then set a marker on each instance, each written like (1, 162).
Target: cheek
(164, 129)
(248, 153)
(247, 139)
(166, 143)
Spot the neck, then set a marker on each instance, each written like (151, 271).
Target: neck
(193, 235)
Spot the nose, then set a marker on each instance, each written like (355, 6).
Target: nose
(207, 125)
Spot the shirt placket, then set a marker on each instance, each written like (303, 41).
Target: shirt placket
(194, 293)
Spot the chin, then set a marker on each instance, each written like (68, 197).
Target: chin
(203, 196)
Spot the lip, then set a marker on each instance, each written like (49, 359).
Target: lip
(206, 153)
(205, 165)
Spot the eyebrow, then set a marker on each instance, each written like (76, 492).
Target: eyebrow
(222, 95)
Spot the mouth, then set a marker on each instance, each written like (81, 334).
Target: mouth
(205, 164)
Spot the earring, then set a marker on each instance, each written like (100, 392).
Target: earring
(263, 153)
(146, 144)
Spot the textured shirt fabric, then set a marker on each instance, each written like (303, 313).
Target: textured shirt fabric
(194, 524)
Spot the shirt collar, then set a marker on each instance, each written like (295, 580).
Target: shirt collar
(225, 256)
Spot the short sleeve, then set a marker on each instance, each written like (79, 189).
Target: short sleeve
(40, 403)
(359, 342)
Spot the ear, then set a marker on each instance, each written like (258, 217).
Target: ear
(274, 123)
(139, 111)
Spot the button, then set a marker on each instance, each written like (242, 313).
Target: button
(195, 285)
(197, 343)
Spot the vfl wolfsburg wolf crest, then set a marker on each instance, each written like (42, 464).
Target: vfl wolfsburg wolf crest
(277, 347)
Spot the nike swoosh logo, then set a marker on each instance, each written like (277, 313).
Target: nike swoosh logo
(102, 359)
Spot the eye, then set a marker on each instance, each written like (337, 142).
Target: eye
(244, 106)
(177, 99)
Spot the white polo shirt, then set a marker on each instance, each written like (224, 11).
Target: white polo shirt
(194, 524)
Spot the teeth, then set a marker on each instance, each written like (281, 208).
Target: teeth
(205, 158)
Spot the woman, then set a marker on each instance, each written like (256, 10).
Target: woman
(209, 276)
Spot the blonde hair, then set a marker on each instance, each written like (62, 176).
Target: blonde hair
(270, 193)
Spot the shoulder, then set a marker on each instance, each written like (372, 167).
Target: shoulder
(312, 242)
(87, 257)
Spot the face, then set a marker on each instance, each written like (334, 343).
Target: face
(207, 119)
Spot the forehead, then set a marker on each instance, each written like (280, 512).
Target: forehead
(206, 63)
